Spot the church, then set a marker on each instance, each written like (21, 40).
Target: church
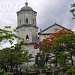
(27, 28)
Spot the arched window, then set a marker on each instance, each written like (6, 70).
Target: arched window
(26, 20)
(27, 37)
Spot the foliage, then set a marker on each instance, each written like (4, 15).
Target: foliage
(42, 68)
(8, 34)
(70, 71)
(18, 55)
(8, 73)
(1, 73)
(63, 58)
(73, 10)
(67, 42)
(15, 53)
(58, 44)
(65, 68)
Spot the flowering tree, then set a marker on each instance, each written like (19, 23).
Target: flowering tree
(55, 46)
(49, 42)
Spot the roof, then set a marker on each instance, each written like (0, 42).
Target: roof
(29, 25)
(52, 26)
(26, 7)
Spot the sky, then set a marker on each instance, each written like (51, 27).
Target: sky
(48, 12)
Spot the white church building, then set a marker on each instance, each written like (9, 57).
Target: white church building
(27, 28)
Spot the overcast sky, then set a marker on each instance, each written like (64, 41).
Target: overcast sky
(47, 12)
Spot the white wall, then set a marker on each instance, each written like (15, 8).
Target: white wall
(49, 31)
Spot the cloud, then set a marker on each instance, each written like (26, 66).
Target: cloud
(47, 12)
(5, 43)
(56, 11)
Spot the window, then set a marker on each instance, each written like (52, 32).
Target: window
(20, 21)
(27, 37)
(26, 20)
(33, 21)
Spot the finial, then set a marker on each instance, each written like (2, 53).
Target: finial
(26, 3)
(55, 21)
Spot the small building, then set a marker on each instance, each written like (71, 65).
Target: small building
(50, 30)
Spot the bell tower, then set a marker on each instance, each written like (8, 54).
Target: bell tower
(26, 24)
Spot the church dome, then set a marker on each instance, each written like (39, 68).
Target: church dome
(26, 7)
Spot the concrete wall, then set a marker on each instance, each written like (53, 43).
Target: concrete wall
(26, 14)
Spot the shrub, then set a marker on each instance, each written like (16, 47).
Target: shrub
(8, 73)
(70, 71)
